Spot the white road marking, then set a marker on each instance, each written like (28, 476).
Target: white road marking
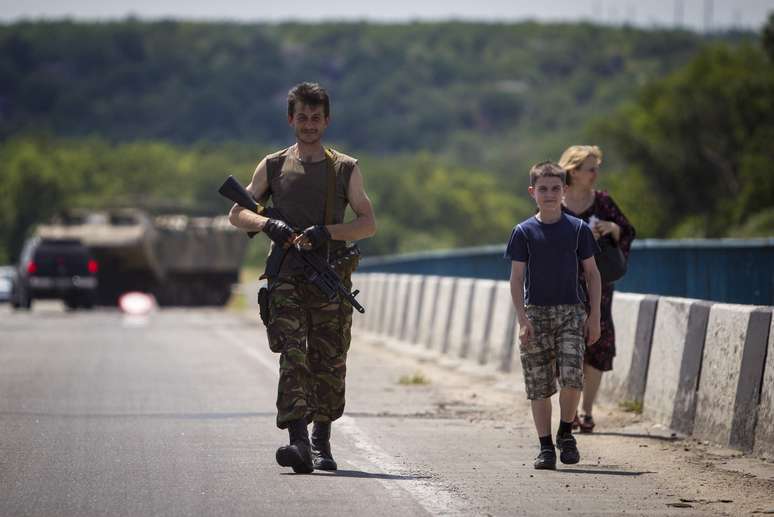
(433, 497)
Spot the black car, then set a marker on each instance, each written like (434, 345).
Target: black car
(55, 268)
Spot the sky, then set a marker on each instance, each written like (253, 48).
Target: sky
(698, 15)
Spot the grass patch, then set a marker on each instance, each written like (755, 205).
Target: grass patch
(416, 379)
(250, 273)
(237, 302)
(631, 406)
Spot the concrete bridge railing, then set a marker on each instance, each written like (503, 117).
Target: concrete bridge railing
(697, 367)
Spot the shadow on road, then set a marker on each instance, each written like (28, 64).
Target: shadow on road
(171, 416)
(636, 435)
(604, 472)
(361, 474)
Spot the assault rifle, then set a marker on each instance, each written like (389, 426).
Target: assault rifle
(316, 269)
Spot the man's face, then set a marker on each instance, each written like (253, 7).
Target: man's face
(308, 123)
(547, 193)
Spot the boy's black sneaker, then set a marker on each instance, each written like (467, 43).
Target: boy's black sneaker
(569, 449)
(546, 460)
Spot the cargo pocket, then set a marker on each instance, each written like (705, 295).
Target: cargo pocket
(283, 326)
(345, 324)
(276, 343)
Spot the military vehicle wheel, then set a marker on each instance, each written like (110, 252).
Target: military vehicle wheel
(223, 296)
(22, 300)
(88, 300)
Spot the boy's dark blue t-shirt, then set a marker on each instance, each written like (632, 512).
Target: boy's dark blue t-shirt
(553, 253)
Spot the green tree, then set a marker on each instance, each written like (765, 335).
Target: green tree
(702, 139)
(768, 37)
(31, 190)
(421, 202)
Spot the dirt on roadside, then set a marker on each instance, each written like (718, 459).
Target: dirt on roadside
(690, 474)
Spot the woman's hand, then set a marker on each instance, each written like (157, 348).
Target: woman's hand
(592, 330)
(602, 228)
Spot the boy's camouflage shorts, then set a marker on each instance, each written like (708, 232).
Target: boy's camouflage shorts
(555, 350)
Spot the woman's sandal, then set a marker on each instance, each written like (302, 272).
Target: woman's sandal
(586, 424)
(576, 423)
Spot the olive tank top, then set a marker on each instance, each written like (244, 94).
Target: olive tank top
(299, 190)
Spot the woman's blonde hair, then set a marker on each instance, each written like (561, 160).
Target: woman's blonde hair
(575, 155)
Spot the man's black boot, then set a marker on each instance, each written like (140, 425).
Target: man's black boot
(321, 447)
(298, 454)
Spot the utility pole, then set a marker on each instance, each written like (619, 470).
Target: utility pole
(738, 18)
(679, 12)
(612, 15)
(597, 11)
(708, 6)
(631, 15)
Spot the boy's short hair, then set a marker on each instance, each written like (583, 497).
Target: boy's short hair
(546, 170)
(311, 94)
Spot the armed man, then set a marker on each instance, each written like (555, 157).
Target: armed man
(310, 186)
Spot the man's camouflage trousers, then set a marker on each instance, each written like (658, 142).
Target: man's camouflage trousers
(312, 336)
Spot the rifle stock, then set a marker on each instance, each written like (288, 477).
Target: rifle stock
(234, 191)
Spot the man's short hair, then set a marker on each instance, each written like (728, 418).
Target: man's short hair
(546, 170)
(311, 94)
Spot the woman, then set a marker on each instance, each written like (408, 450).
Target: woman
(581, 162)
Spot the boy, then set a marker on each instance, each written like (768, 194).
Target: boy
(546, 251)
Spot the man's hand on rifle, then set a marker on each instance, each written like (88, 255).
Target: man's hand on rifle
(313, 237)
(279, 232)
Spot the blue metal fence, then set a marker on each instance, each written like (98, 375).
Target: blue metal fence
(723, 270)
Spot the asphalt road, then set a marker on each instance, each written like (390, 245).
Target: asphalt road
(101, 414)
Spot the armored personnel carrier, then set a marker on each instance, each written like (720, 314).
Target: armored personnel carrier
(181, 260)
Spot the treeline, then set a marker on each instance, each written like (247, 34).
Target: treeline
(422, 203)
(395, 88)
(44, 176)
(699, 146)
(446, 119)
